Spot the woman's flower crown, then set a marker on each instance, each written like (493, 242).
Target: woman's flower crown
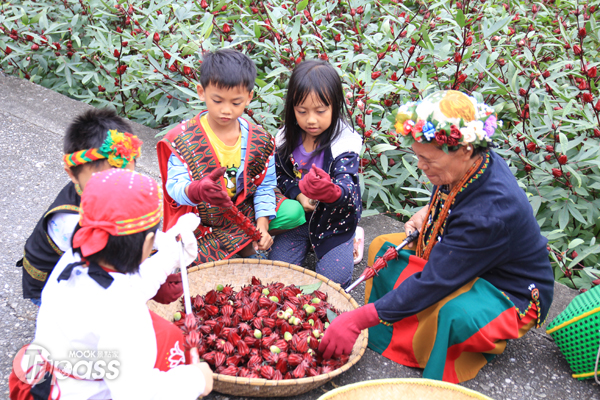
(448, 118)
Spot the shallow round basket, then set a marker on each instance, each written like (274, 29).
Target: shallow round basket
(238, 272)
(403, 389)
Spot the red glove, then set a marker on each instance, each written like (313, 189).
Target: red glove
(344, 330)
(209, 190)
(317, 185)
(169, 291)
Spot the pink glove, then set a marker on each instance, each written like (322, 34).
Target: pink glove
(209, 190)
(317, 185)
(169, 291)
(344, 330)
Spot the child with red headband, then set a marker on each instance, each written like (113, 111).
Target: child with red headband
(94, 302)
(96, 140)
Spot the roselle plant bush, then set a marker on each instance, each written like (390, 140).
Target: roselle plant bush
(536, 63)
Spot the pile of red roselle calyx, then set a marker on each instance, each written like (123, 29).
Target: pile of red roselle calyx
(263, 331)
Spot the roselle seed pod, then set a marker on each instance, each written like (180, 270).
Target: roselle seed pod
(275, 349)
(219, 359)
(257, 334)
(209, 357)
(262, 313)
(316, 333)
(287, 336)
(310, 309)
(267, 372)
(177, 316)
(281, 315)
(264, 302)
(233, 337)
(228, 348)
(227, 310)
(281, 344)
(210, 297)
(274, 299)
(299, 372)
(242, 348)
(302, 346)
(315, 300)
(257, 323)
(281, 366)
(246, 313)
(265, 291)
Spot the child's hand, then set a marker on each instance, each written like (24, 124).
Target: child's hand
(307, 204)
(208, 377)
(317, 185)
(209, 190)
(266, 241)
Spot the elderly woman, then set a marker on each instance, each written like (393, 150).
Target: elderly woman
(481, 274)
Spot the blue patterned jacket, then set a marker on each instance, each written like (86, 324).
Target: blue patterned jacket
(331, 224)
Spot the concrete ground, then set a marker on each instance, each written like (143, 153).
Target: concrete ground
(32, 124)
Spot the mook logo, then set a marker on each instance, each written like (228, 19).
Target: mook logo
(33, 365)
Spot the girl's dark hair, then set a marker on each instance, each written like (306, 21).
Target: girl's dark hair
(122, 252)
(320, 78)
(89, 130)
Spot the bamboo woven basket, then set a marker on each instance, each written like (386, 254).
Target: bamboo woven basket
(238, 272)
(403, 389)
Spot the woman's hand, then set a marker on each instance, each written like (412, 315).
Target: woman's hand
(415, 223)
(307, 204)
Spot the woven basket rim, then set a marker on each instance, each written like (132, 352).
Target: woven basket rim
(416, 381)
(287, 382)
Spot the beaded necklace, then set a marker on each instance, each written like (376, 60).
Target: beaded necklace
(424, 246)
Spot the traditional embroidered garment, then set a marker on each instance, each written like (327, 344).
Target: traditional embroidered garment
(218, 237)
(487, 279)
(41, 253)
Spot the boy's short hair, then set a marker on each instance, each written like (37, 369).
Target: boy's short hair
(123, 252)
(89, 130)
(227, 69)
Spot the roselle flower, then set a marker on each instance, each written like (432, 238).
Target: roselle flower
(522, 92)
(587, 97)
(592, 72)
(338, 38)
(556, 172)
(546, 74)
(226, 28)
(577, 50)
(531, 147)
(562, 160)
(582, 33)
(408, 70)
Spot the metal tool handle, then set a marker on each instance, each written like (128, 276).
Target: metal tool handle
(184, 282)
(409, 239)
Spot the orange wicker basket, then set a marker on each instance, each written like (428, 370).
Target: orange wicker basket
(238, 272)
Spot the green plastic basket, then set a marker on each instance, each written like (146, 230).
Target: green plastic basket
(576, 332)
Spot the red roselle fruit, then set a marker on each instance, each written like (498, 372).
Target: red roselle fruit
(261, 331)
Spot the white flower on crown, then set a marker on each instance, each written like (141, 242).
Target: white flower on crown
(468, 133)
